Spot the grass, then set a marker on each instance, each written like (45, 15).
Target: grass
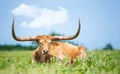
(97, 62)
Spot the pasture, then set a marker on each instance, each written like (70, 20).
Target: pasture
(97, 62)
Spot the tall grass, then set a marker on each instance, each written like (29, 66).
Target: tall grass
(97, 62)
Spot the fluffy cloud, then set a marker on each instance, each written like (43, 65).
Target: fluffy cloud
(40, 16)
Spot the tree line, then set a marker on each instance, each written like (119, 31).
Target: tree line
(34, 45)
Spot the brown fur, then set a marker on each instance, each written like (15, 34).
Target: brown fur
(61, 50)
(40, 57)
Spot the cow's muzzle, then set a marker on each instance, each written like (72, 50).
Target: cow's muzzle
(45, 51)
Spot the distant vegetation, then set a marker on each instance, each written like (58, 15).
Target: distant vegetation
(16, 47)
(108, 47)
(34, 45)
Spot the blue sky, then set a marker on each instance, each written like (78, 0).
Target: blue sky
(100, 20)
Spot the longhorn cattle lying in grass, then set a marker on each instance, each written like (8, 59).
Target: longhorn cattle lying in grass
(48, 46)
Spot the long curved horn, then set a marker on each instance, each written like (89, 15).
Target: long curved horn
(29, 38)
(69, 37)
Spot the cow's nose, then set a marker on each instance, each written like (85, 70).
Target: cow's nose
(45, 51)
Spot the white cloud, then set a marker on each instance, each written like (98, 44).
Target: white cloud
(40, 16)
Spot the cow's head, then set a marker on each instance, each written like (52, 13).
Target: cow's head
(44, 41)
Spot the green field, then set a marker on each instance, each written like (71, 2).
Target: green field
(97, 62)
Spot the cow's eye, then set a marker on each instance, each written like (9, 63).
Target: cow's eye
(40, 42)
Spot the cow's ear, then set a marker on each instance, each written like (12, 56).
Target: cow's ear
(54, 43)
